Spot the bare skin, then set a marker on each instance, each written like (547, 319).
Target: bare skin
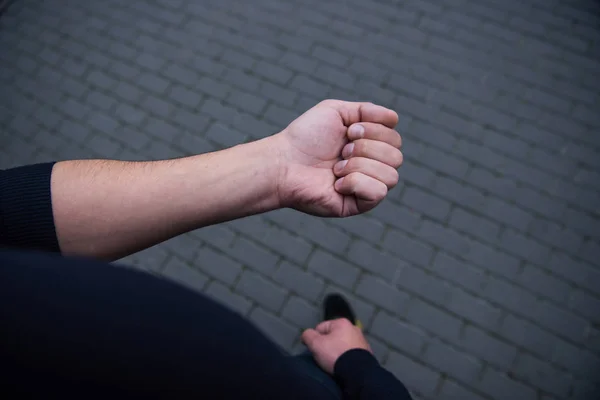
(108, 209)
(330, 339)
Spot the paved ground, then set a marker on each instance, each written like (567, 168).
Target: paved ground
(479, 277)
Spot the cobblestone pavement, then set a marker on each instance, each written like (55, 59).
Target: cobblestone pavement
(479, 277)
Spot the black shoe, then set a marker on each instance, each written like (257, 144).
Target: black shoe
(335, 306)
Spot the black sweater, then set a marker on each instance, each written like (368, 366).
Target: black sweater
(78, 326)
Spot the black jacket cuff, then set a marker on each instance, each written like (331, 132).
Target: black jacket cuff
(352, 369)
(26, 218)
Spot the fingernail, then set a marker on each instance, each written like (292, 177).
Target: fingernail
(340, 165)
(348, 149)
(338, 183)
(356, 131)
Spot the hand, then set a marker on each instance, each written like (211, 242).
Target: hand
(339, 158)
(330, 339)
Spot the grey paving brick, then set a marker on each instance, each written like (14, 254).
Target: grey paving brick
(310, 86)
(193, 121)
(301, 313)
(507, 214)
(474, 225)
(492, 260)
(314, 229)
(277, 93)
(382, 293)
(184, 274)
(101, 80)
(529, 336)
(424, 285)
(524, 247)
(103, 146)
(433, 319)
(545, 284)
(281, 332)
(444, 163)
(153, 104)
(367, 228)
(264, 292)
(585, 304)
(398, 334)
(332, 268)
(454, 391)
(153, 83)
(336, 76)
(279, 115)
(498, 385)
(397, 216)
(194, 144)
(153, 259)
(459, 193)
(416, 376)
(158, 128)
(374, 260)
(445, 238)
(75, 109)
(241, 79)
(254, 256)
(217, 235)
(426, 203)
(482, 345)
(247, 102)
(217, 265)
(406, 248)
(100, 100)
(213, 88)
(185, 96)
(224, 135)
(452, 361)
(225, 296)
(185, 246)
(542, 375)
(273, 72)
(475, 310)
(278, 240)
(299, 281)
(560, 321)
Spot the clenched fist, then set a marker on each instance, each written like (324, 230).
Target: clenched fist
(338, 159)
(330, 339)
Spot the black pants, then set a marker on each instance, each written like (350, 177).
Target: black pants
(74, 326)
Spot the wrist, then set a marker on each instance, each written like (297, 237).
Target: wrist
(264, 158)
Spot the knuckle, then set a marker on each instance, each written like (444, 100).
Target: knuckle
(354, 165)
(352, 179)
(343, 323)
(361, 147)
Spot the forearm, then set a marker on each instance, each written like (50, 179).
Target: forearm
(109, 209)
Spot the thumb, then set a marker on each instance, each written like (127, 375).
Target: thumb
(309, 337)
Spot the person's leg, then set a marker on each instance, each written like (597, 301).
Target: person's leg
(305, 365)
(76, 327)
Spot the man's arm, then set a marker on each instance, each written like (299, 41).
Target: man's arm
(109, 209)
(341, 349)
(337, 159)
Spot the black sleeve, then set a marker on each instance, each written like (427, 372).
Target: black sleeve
(361, 377)
(26, 219)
